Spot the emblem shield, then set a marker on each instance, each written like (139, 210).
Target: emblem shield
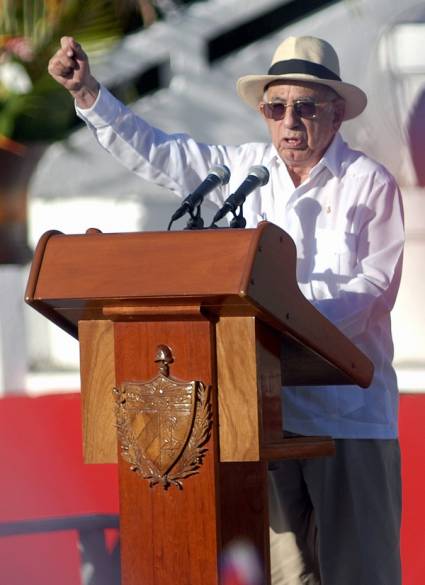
(162, 425)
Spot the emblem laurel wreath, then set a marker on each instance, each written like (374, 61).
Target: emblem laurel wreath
(190, 458)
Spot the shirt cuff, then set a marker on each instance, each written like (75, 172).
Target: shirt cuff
(103, 112)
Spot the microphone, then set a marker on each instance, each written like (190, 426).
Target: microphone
(257, 177)
(218, 175)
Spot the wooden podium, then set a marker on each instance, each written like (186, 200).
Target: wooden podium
(185, 340)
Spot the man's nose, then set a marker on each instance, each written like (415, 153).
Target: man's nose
(291, 118)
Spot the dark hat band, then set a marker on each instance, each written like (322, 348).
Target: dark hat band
(301, 66)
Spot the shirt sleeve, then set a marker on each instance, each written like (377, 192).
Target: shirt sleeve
(370, 294)
(174, 161)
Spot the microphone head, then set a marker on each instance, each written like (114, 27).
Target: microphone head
(261, 173)
(221, 172)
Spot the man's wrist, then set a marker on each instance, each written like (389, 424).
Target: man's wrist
(87, 94)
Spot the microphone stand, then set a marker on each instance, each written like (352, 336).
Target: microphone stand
(195, 222)
(238, 220)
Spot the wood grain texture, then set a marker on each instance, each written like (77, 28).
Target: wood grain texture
(169, 536)
(237, 389)
(146, 284)
(37, 263)
(249, 396)
(145, 265)
(269, 384)
(299, 447)
(97, 368)
(272, 287)
(75, 277)
(307, 368)
(145, 312)
(244, 510)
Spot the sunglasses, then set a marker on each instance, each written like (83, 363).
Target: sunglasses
(303, 109)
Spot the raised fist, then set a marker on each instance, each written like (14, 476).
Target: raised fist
(70, 67)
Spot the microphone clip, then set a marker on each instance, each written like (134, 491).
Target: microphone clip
(238, 221)
(195, 221)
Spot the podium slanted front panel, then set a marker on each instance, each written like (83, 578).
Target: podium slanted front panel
(226, 272)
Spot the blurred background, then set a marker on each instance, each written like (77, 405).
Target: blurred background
(175, 62)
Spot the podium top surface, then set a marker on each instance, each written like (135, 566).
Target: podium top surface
(149, 265)
(224, 271)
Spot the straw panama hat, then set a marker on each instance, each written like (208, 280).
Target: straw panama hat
(304, 59)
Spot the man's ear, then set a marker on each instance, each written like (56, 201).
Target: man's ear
(339, 112)
(260, 110)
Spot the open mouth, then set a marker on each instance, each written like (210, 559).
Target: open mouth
(294, 143)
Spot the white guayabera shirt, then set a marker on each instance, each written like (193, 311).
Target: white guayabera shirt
(347, 222)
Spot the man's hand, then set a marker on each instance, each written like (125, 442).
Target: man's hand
(70, 67)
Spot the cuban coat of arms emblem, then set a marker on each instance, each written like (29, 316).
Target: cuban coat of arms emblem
(163, 425)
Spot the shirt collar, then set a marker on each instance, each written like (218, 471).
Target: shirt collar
(271, 155)
(332, 158)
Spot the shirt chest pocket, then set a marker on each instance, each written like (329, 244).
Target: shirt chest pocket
(335, 251)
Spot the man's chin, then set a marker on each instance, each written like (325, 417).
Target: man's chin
(294, 155)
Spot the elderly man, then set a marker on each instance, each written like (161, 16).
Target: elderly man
(335, 520)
